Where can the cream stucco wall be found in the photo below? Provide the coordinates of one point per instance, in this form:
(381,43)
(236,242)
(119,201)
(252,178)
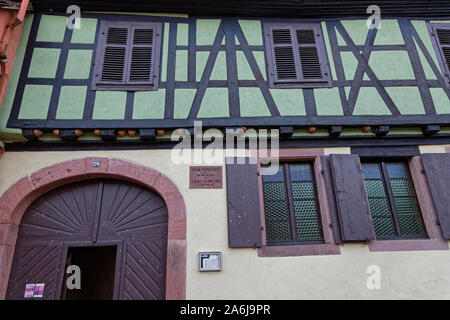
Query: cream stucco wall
(244,275)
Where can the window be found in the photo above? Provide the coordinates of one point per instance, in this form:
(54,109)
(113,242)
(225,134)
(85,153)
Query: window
(392,200)
(127,56)
(296,56)
(440,34)
(291,204)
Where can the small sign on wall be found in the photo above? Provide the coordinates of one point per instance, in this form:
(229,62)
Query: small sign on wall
(205,177)
(209,261)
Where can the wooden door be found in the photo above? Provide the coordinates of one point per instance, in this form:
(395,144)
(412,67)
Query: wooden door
(93,212)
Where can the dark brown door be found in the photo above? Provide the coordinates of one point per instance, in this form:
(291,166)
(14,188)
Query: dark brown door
(93,213)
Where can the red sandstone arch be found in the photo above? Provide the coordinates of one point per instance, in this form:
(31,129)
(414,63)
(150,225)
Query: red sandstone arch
(19,196)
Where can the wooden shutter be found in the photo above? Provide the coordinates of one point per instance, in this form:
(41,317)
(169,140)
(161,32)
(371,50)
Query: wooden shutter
(296,55)
(331,199)
(440,33)
(437,170)
(127,56)
(142,51)
(244,216)
(115,53)
(351,198)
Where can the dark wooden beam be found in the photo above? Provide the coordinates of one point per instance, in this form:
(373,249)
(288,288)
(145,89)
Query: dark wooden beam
(381,131)
(147,134)
(254,122)
(108,135)
(267,8)
(68,135)
(335,131)
(431,130)
(29,135)
(286,132)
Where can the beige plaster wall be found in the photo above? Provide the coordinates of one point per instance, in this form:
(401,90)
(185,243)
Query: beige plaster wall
(244,275)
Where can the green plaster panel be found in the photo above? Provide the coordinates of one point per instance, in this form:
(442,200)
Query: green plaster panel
(182,34)
(89,136)
(219,71)
(215,104)
(357,29)
(181,68)
(369,102)
(9,134)
(109,105)
(71,102)
(52,28)
(328,102)
(78,64)
(35,102)
(389,33)
(49,137)
(252,31)
(355,132)
(253,103)
(422,31)
(206,31)
(86,34)
(149,104)
(243,67)
(164,53)
(44,63)
(407,99)
(391,65)
(349,62)
(290,102)
(440,99)
(328,48)
(303,132)
(393,131)
(183,102)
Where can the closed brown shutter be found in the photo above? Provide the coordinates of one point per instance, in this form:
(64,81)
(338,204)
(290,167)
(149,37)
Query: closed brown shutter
(141,56)
(437,170)
(127,56)
(440,33)
(115,53)
(296,54)
(351,198)
(326,163)
(244,217)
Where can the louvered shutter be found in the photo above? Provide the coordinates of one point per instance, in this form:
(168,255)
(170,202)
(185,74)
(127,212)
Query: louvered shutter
(441,37)
(142,52)
(297,55)
(114,56)
(127,56)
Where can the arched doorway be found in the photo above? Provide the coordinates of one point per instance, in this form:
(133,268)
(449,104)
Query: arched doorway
(115,231)
(15,201)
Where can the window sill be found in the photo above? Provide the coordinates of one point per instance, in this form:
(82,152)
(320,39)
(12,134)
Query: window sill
(299,250)
(408,245)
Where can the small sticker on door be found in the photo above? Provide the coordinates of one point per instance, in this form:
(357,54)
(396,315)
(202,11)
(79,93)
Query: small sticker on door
(34,290)
(29,290)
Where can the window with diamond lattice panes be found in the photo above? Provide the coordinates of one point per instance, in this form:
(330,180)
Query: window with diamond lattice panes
(291,204)
(392,200)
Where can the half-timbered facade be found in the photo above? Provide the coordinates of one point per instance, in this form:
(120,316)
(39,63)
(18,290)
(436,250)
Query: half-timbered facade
(92,116)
